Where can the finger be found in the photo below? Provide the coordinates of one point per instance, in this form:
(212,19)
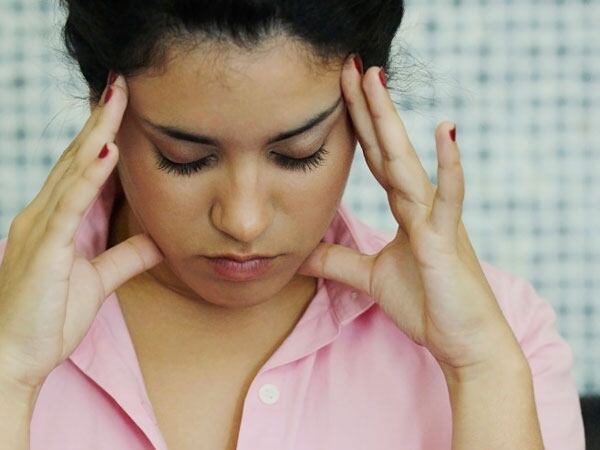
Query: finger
(109,121)
(40,201)
(126,260)
(66,217)
(403,168)
(449,195)
(96,109)
(104,131)
(339,263)
(361,119)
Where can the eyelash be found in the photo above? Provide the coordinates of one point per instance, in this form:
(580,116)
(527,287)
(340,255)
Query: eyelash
(311,162)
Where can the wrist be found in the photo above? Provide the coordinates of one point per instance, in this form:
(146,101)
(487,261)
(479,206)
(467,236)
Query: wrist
(18,395)
(17,404)
(494,404)
(18,392)
(510,364)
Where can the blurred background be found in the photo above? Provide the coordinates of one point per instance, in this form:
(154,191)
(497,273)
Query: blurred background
(520,79)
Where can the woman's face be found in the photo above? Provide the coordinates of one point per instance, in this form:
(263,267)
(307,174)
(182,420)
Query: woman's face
(248,198)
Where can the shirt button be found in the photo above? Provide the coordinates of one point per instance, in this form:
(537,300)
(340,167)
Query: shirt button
(269,394)
(354,294)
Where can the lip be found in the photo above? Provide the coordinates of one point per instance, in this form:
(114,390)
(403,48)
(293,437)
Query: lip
(241,268)
(239,258)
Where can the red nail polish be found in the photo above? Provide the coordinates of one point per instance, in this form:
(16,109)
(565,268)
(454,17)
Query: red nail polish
(382,77)
(108,95)
(453,134)
(112,76)
(103,152)
(358,63)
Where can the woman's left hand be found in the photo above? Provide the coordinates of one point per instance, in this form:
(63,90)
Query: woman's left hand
(428,279)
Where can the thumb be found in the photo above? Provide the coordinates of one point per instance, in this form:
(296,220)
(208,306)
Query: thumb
(339,263)
(125,260)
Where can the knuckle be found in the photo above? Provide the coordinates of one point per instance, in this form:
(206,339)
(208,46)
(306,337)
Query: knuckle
(72,169)
(351,101)
(19,223)
(370,143)
(378,114)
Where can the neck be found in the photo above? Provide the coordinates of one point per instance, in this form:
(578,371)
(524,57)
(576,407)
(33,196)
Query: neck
(163,318)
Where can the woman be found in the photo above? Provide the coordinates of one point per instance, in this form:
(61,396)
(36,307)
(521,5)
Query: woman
(212,291)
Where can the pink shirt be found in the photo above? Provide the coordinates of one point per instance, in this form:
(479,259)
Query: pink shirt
(346,378)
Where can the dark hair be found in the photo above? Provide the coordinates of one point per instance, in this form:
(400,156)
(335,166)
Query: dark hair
(131,36)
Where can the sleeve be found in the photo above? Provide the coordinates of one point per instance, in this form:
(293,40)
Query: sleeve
(551,361)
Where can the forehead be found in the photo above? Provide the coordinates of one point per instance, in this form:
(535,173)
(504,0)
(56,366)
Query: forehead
(222,89)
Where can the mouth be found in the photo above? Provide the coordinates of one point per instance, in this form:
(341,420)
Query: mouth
(241,268)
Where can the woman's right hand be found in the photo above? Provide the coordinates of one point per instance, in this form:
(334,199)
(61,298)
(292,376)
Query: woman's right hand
(49,294)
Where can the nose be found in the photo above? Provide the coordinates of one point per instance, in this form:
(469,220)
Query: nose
(242,209)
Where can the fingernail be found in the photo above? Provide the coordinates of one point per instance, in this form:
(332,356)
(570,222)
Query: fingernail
(108,95)
(453,133)
(103,152)
(112,76)
(358,63)
(382,77)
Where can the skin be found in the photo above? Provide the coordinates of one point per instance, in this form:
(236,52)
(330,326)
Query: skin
(246,203)
(428,279)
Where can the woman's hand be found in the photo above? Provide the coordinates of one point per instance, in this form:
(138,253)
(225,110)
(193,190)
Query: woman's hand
(49,294)
(428,279)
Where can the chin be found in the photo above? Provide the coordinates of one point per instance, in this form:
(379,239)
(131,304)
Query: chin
(234,296)
(225,292)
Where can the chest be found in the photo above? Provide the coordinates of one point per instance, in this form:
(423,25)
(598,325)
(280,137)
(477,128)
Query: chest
(196,386)
(197,410)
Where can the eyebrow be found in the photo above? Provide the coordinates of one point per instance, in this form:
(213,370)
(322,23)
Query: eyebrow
(183,135)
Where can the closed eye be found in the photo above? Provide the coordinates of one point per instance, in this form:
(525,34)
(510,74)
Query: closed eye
(310,162)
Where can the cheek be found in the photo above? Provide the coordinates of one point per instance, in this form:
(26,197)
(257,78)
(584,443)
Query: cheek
(332,181)
(162,206)
(312,204)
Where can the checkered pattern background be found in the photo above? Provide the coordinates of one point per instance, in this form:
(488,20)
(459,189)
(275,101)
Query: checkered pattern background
(520,79)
